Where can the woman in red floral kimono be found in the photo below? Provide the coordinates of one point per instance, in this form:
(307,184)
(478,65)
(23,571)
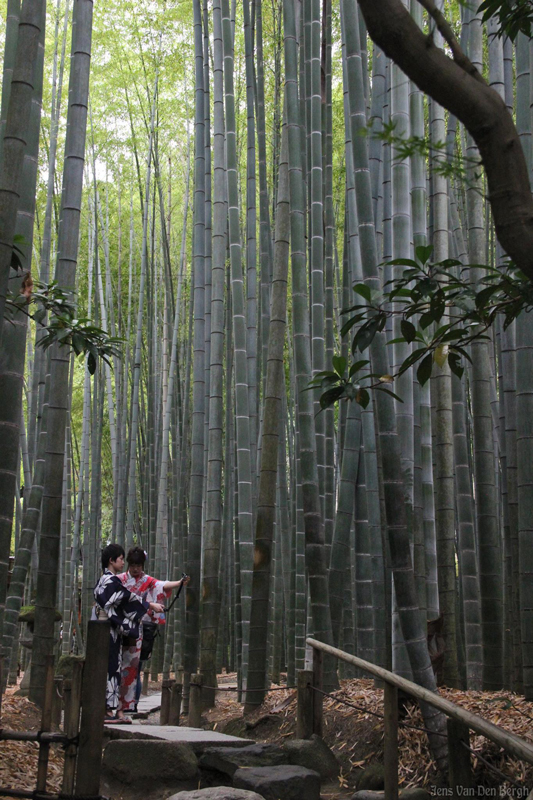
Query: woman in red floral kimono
(153,591)
(124,611)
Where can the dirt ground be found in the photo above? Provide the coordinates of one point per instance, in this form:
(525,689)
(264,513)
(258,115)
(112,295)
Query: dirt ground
(18,760)
(275,721)
(354,734)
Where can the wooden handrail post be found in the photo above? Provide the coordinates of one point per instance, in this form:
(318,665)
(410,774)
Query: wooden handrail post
(71,722)
(390,754)
(146,679)
(175,703)
(304,704)
(67,689)
(459,763)
(93,708)
(195,700)
(1,684)
(186,684)
(165,701)
(517,746)
(318,698)
(46,724)
(58,700)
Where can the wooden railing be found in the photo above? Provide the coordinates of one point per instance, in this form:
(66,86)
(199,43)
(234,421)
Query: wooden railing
(83,725)
(459,722)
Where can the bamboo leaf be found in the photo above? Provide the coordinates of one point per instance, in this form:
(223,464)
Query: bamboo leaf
(331,396)
(423,253)
(91,363)
(455,365)
(412,358)
(350,324)
(339,364)
(441,355)
(365,335)
(426,319)
(363,290)
(392,394)
(63,334)
(462,351)
(408,330)
(403,262)
(423,372)
(357,365)
(362,397)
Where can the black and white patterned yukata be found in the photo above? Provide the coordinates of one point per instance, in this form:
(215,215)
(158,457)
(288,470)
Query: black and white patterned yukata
(125,611)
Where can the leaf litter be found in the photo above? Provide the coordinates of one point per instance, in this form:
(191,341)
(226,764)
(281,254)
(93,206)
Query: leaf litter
(18,760)
(356,736)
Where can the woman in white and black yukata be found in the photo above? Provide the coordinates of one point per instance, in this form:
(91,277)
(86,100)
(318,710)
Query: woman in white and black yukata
(124,611)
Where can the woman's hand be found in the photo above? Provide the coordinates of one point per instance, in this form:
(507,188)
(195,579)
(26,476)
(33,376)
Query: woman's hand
(157,608)
(168,585)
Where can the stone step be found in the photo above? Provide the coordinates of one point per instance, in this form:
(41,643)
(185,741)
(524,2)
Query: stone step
(135,762)
(314,754)
(148,704)
(197,738)
(229,759)
(414,793)
(285,781)
(217,793)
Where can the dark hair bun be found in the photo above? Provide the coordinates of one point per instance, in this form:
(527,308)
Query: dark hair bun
(136,555)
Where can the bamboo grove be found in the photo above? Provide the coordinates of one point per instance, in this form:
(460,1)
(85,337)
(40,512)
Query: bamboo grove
(209,183)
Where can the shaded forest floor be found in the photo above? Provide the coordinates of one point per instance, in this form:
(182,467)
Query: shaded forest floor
(354,734)
(18,760)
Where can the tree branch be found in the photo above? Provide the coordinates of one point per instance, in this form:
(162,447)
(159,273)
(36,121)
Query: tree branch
(448,35)
(478,107)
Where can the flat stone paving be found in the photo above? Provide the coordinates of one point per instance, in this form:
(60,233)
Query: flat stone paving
(149,703)
(196,737)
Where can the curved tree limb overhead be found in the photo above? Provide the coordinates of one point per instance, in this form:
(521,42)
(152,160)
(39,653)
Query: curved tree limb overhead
(448,35)
(478,107)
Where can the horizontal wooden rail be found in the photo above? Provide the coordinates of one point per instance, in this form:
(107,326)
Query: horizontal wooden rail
(50,737)
(34,794)
(509,741)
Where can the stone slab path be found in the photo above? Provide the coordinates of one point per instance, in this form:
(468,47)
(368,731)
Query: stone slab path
(197,738)
(149,703)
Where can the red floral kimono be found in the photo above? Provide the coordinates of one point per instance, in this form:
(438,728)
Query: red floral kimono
(152,591)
